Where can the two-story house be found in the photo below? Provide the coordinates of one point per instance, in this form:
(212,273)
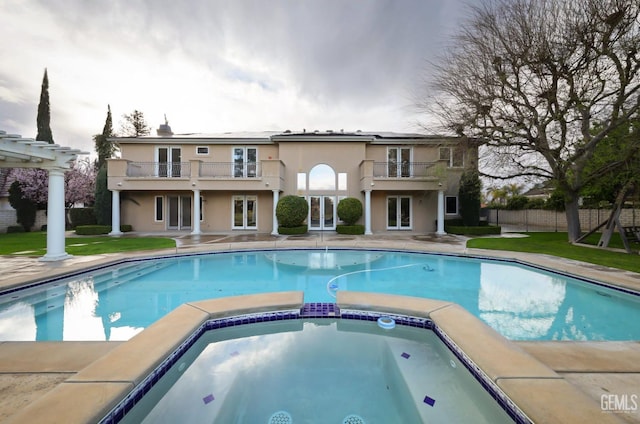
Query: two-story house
(232,182)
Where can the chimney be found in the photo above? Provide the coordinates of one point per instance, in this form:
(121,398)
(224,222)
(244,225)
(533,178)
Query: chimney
(164,129)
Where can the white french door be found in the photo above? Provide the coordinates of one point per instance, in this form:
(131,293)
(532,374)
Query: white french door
(169,162)
(322,212)
(399,213)
(245,212)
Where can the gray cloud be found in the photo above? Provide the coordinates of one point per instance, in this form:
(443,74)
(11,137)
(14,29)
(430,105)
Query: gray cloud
(319,59)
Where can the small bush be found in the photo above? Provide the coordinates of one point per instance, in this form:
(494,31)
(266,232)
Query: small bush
(291,211)
(290,231)
(350,210)
(15,229)
(92,230)
(82,216)
(350,229)
(474,231)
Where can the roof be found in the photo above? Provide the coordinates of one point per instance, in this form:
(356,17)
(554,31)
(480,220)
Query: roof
(279,136)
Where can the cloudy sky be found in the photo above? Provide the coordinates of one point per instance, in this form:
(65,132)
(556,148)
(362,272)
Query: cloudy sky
(215,66)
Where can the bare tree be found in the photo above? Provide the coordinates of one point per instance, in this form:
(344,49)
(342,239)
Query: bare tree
(542,82)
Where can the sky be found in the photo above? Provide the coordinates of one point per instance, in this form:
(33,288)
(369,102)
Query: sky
(217,66)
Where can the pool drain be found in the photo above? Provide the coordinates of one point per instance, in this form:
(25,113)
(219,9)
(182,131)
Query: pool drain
(353,419)
(280,417)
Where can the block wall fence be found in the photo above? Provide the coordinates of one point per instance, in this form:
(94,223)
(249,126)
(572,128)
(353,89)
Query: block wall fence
(543,220)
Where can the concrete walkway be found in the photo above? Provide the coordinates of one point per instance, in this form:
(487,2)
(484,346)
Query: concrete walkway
(596,368)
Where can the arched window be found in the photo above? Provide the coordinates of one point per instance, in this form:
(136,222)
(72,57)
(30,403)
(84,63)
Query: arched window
(322,177)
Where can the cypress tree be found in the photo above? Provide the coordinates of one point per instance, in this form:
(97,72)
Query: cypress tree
(44,113)
(104,147)
(105,150)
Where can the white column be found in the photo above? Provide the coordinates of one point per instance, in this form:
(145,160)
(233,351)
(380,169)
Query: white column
(115,213)
(196,212)
(367,212)
(440,229)
(55,217)
(276,197)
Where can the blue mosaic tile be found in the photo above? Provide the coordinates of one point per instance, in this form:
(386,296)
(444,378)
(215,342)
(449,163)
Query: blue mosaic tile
(429,401)
(312,310)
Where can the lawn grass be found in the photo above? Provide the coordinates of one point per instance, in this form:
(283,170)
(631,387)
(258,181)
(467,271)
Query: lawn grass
(556,244)
(35,244)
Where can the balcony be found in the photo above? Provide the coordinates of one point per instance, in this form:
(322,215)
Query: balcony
(402,176)
(159,169)
(128,175)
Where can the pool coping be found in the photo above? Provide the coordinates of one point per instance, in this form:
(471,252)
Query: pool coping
(95,390)
(600,375)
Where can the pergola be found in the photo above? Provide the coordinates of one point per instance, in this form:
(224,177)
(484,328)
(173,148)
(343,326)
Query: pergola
(18,152)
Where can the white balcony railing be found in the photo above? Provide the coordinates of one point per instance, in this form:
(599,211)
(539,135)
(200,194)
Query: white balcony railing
(159,169)
(404,169)
(230,169)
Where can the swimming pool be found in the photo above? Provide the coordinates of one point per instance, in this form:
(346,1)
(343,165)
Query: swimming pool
(520,302)
(342,370)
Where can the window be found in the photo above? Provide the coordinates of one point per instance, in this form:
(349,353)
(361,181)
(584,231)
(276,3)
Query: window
(342,181)
(159,208)
(202,150)
(453,155)
(244,212)
(322,177)
(451,205)
(399,212)
(399,162)
(302,181)
(245,162)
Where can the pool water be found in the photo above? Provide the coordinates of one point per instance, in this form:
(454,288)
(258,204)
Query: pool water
(317,371)
(520,302)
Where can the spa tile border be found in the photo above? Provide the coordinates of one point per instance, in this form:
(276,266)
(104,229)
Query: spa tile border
(312,310)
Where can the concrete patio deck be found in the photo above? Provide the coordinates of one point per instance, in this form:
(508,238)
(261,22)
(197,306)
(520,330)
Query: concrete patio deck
(594,368)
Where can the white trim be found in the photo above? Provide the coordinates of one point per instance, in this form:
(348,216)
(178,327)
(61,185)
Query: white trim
(202,154)
(398,214)
(244,198)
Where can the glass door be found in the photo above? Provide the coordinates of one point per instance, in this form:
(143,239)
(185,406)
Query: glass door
(168,162)
(322,213)
(178,212)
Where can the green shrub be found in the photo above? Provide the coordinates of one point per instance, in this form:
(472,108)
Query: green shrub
(474,231)
(517,203)
(290,231)
(82,216)
(15,229)
(92,230)
(350,229)
(350,210)
(291,211)
(25,208)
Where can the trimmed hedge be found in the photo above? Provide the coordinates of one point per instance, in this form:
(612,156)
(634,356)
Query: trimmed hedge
(82,216)
(473,231)
(15,229)
(291,211)
(349,210)
(350,229)
(290,231)
(94,230)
